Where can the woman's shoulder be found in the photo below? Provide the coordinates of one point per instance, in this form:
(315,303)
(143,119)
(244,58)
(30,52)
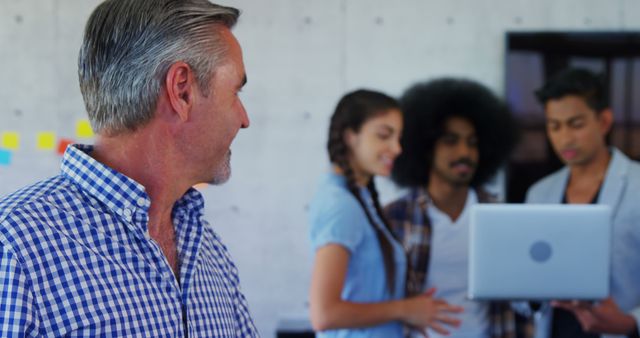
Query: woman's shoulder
(332,192)
(334,203)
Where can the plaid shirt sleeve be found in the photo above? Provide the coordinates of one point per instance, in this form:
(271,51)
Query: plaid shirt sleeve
(395,213)
(414,233)
(18,313)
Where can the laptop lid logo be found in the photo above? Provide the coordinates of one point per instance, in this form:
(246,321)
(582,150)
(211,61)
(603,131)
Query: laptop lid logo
(540,251)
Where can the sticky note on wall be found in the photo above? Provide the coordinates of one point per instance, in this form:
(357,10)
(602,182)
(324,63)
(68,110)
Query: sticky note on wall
(5,157)
(62,145)
(46,141)
(10,140)
(83,129)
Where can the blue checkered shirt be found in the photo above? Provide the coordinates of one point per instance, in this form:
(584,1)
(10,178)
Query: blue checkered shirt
(76,260)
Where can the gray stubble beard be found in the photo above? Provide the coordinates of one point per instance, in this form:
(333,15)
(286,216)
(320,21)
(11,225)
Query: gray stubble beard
(223,172)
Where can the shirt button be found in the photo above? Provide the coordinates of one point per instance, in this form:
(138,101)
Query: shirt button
(127,213)
(142,201)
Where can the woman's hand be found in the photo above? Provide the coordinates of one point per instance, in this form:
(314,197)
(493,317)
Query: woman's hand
(424,311)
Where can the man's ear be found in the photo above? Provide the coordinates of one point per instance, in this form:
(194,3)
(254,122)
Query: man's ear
(180,85)
(606,120)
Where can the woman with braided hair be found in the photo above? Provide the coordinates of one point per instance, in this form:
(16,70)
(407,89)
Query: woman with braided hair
(357,287)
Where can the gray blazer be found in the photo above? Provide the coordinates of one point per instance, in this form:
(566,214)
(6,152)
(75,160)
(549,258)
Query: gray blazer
(620,191)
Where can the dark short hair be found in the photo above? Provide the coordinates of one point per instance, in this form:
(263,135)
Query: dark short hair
(427,107)
(579,82)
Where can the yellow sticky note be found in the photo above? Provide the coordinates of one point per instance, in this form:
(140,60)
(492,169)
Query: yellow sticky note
(10,140)
(46,140)
(83,129)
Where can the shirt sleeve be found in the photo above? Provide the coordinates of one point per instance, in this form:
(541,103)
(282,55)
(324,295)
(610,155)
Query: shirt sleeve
(396,213)
(245,326)
(18,313)
(338,222)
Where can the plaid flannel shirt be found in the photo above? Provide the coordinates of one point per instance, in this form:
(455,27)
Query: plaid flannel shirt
(411,226)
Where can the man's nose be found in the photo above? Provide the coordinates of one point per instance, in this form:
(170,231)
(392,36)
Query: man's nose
(244,117)
(463,149)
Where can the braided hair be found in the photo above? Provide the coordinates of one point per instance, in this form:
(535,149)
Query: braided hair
(353,110)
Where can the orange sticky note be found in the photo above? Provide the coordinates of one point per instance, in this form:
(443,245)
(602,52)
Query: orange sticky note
(83,129)
(46,140)
(10,140)
(62,145)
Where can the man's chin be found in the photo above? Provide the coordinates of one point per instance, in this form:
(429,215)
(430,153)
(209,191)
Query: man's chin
(223,173)
(220,179)
(461,180)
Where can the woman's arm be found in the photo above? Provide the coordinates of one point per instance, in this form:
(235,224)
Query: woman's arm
(329,311)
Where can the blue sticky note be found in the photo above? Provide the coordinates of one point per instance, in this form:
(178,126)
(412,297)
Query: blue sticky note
(5,157)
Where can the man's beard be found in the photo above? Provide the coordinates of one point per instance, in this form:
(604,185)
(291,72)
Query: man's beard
(223,172)
(458,180)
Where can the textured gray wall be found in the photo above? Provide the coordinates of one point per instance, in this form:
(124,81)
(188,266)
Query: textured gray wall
(301,56)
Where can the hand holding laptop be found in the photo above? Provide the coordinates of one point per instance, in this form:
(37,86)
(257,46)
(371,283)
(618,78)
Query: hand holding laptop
(600,317)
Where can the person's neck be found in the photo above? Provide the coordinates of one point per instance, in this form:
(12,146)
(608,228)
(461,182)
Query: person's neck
(595,169)
(146,158)
(448,198)
(585,180)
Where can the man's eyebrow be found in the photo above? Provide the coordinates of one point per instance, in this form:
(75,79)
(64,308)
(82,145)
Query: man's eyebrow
(567,120)
(576,117)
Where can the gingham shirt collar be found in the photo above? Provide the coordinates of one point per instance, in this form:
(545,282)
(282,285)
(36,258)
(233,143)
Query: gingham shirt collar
(121,194)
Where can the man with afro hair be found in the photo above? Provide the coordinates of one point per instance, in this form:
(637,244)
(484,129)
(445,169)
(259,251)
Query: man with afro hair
(457,134)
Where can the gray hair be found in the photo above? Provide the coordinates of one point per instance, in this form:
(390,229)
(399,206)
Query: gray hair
(128,47)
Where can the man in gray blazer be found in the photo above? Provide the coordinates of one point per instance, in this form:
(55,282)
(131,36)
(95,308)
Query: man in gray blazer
(578,120)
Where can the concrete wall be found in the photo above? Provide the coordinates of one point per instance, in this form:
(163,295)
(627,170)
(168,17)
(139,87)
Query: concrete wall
(301,56)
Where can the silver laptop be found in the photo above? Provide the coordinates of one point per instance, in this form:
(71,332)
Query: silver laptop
(539,252)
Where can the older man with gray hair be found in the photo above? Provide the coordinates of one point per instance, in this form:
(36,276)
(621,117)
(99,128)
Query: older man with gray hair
(116,245)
